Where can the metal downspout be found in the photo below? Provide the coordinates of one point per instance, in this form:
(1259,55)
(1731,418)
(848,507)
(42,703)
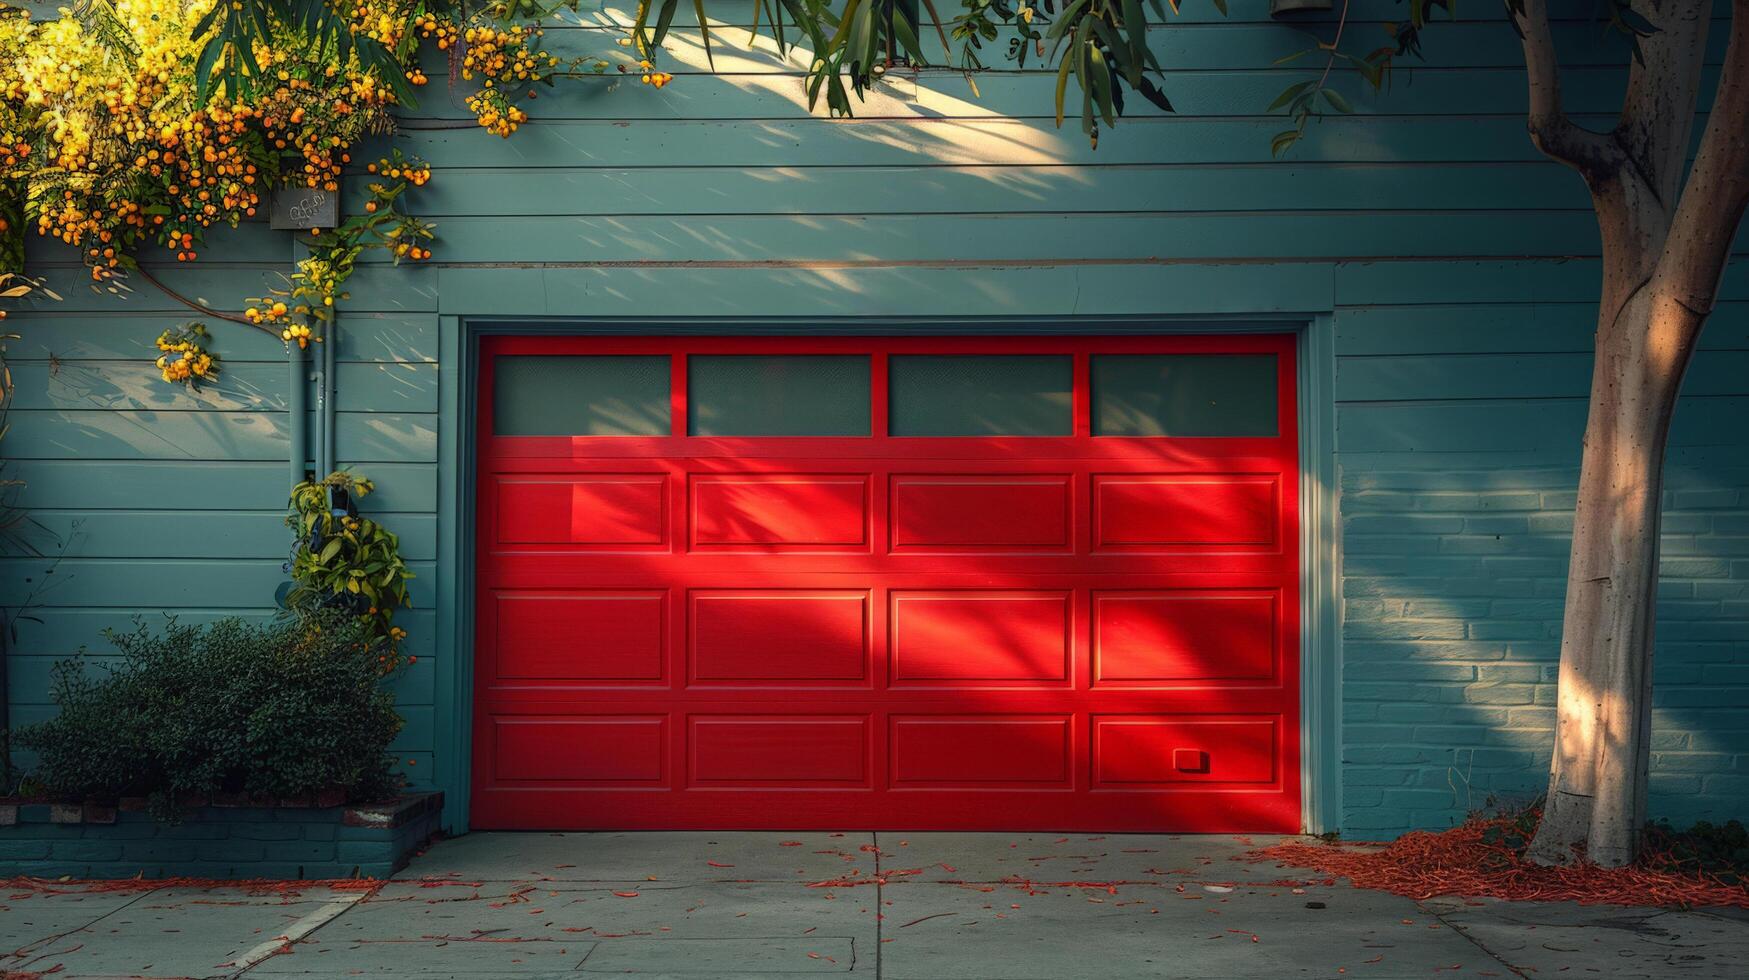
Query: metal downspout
(325,392)
(299,405)
(300,413)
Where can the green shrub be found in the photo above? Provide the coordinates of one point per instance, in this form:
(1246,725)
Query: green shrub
(279,710)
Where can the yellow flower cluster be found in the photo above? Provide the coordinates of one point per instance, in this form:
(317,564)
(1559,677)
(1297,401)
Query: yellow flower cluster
(267,312)
(650,76)
(502,59)
(185,359)
(504,55)
(496,113)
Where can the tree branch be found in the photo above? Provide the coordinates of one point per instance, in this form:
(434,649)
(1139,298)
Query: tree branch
(1593,154)
(1717,193)
(1658,108)
(202,308)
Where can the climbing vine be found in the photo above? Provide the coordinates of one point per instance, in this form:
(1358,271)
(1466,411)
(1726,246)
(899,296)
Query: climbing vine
(132,124)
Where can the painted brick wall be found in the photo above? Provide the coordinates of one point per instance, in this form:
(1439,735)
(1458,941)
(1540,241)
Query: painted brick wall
(1457,485)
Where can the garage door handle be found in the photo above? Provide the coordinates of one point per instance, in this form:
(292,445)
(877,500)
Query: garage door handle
(1190,760)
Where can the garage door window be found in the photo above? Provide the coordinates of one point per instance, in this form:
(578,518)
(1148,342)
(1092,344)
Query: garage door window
(777,395)
(1230,395)
(981,395)
(583,395)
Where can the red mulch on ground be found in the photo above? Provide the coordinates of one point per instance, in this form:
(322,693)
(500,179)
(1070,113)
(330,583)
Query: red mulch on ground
(1483,858)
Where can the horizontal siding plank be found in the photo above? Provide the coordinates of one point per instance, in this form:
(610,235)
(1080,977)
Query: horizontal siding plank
(1329,232)
(761,87)
(163,583)
(203,485)
(1481,376)
(874,142)
(367,437)
(392,437)
(129,435)
(46,332)
(1522,328)
(686,190)
(136,384)
(1510,425)
(206,534)
(1445,283)
(220,284)
(1241,42)
(872,239)
(1692,465)
(397,387)
(121,335)
(932,294)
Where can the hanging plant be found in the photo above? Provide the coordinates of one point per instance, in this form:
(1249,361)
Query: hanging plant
(345,562)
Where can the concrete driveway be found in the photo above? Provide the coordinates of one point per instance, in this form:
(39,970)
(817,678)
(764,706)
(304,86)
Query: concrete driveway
(924,906)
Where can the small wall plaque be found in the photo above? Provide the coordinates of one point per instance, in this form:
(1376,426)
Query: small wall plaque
(299,208)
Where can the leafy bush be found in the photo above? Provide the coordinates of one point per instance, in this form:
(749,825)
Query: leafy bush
(1720,850)
(280,710)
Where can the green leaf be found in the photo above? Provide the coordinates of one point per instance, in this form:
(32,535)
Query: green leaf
(1063,83)
(1337,101)
(1066,20)
(1289,94)
(1136,27)
(1282,141)
(203,68)
(907,37)
(663,19)
(1100,72)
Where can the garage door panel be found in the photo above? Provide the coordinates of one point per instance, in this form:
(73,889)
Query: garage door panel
(593,510)
(612,749)
(1141,750)
(996,609)
(980,751)
(602,636)
(972,513)
(1163,637)
(1176,510)
(779,750)
(779,512)
(954,638)
(766,637)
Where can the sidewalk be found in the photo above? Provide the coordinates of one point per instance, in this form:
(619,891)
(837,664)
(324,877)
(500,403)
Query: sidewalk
(922,906)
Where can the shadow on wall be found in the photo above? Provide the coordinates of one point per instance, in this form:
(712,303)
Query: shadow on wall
(1454,584)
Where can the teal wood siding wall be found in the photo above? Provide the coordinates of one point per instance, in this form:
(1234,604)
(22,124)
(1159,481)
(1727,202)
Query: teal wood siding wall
(1459,269)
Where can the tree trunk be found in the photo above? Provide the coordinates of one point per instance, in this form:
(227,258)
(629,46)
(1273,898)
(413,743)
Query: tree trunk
(1666,231)
(1597,787)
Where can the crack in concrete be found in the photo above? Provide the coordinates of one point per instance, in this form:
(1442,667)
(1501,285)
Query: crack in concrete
(1472,940)
(880,905)
(49,940)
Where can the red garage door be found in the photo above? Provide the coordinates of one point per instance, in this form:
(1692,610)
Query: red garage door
(976,583)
